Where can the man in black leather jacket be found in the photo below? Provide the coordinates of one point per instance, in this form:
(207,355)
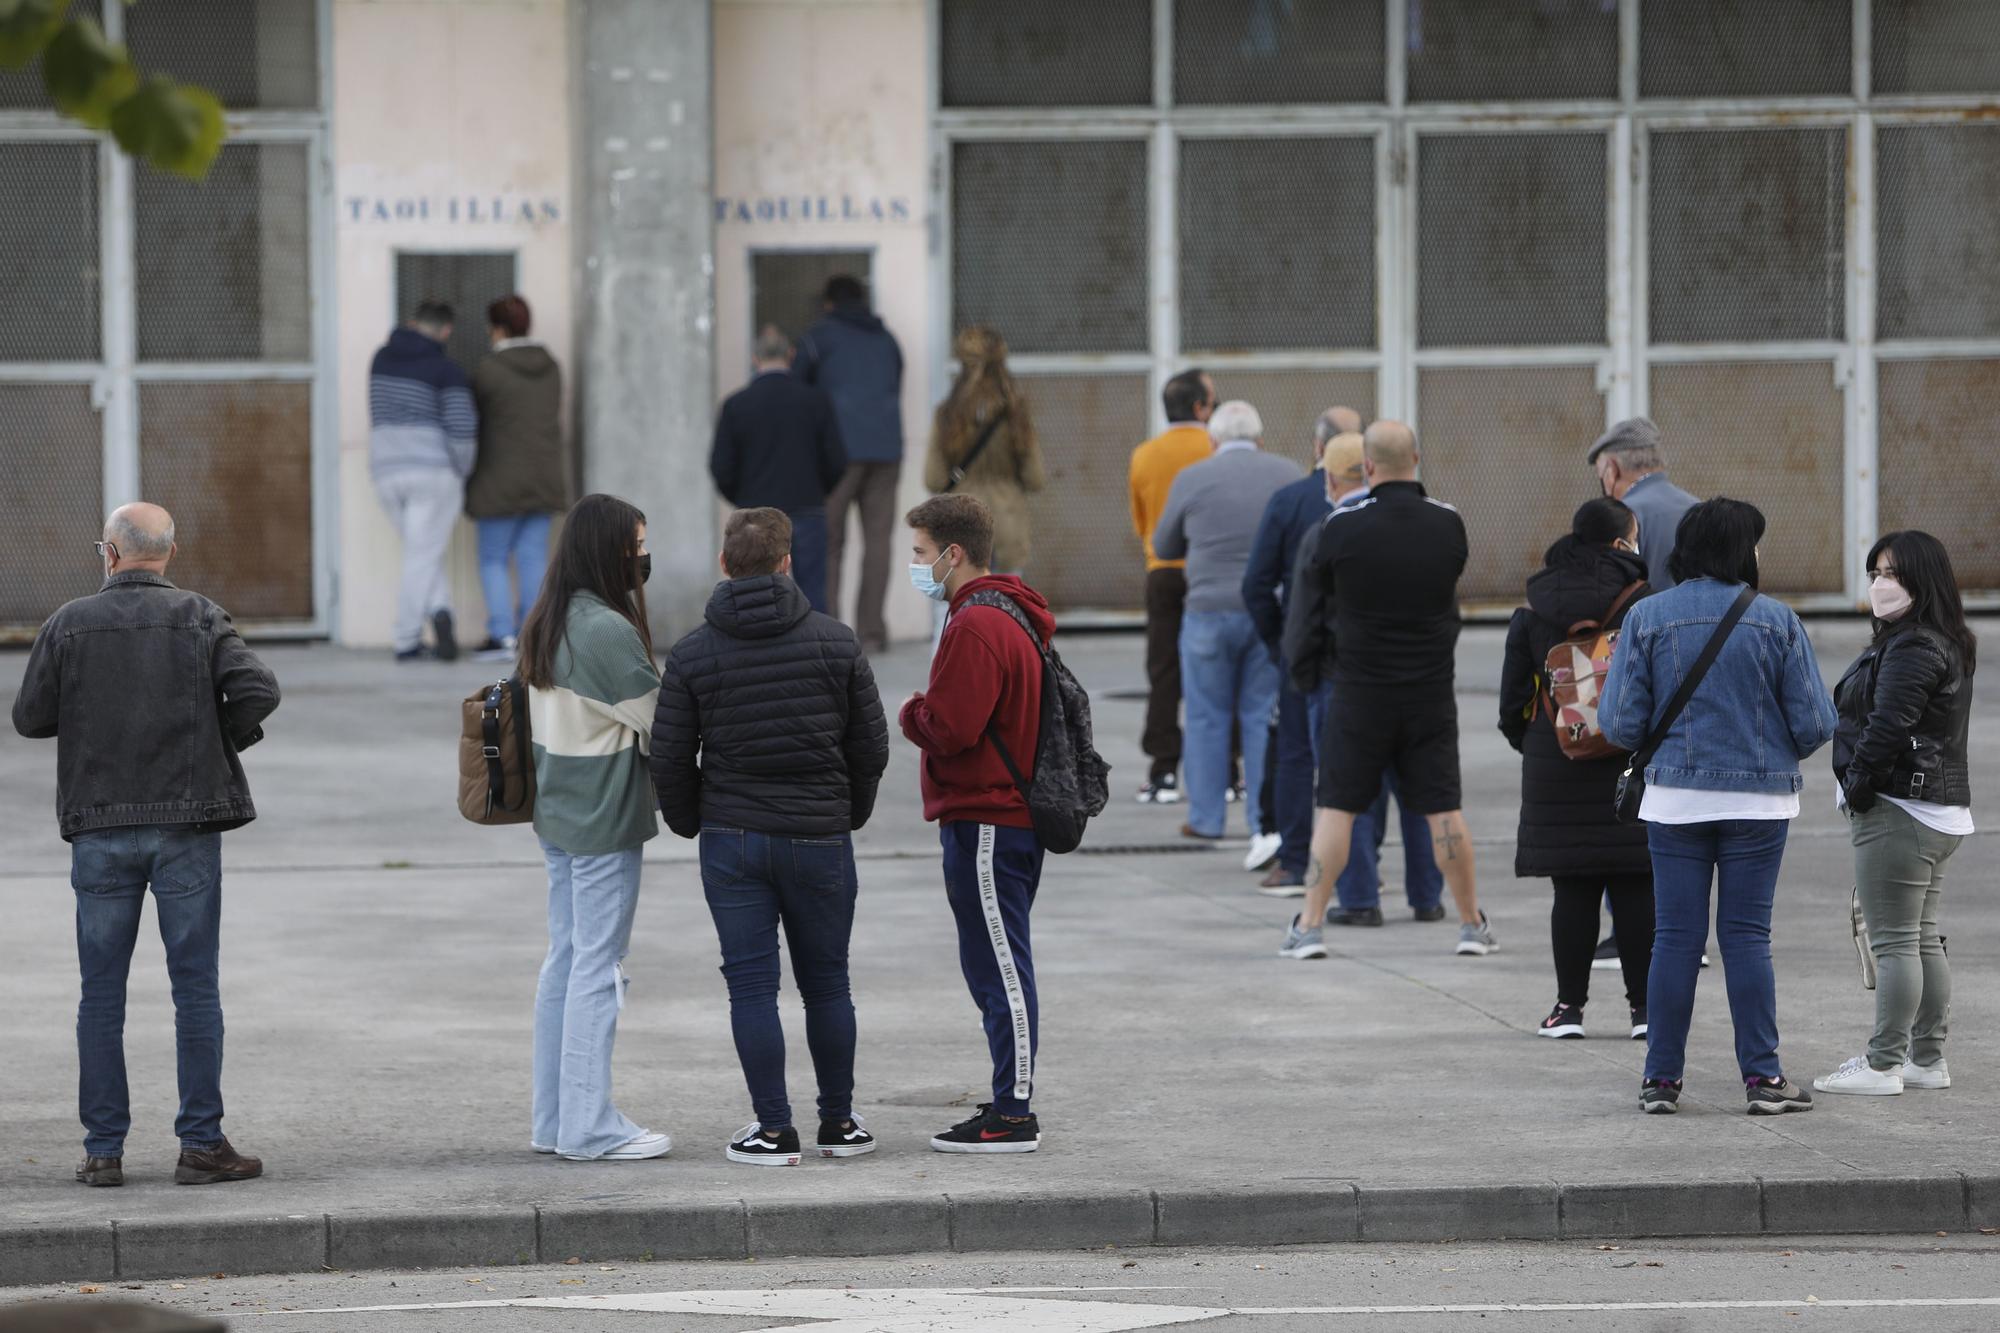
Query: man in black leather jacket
(150,695)
(769,742)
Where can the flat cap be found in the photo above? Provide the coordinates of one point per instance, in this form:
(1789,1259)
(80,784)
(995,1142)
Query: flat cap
(1631,433)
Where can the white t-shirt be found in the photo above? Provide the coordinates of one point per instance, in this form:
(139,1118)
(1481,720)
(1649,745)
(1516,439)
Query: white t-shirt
(1955,820)
(1693,805)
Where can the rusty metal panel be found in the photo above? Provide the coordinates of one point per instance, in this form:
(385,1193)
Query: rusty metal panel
(51,500)
(1506,446)
(1938,470)
(233,463)
(1772,433)
(1937,239)
(1084,553)
(1290,401)
(1287,278)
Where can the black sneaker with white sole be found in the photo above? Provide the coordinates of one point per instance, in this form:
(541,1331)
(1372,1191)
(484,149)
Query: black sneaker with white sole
(1660,1096)
(1775,1096)
(447,639)
(844,1138)
(990,1132)
(1565,1020)
(1639,1023)
(756,1146)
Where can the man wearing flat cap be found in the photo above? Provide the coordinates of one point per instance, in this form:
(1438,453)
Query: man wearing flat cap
(1632,467)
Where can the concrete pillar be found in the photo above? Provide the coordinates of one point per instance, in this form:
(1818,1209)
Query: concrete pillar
(643,236)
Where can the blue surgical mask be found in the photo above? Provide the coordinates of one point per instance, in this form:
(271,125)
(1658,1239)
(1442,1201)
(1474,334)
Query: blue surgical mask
(924,579)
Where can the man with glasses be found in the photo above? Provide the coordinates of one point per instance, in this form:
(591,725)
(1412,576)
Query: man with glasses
(150,696)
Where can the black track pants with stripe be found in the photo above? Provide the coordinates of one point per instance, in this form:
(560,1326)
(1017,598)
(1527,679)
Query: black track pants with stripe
(990,877)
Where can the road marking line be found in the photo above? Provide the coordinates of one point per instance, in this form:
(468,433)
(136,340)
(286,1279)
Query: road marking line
(1596,1307)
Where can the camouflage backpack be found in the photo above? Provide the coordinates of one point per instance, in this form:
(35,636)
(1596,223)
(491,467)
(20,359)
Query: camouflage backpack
(1069,781)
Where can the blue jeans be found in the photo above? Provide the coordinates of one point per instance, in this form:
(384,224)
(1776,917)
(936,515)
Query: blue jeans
(111,870)
(755,882)
(1360,883)
(582,988)
(524,538)
(1226,675)
(809,555)
(1741,857)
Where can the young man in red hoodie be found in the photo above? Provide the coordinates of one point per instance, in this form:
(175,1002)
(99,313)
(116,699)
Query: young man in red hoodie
(985,678)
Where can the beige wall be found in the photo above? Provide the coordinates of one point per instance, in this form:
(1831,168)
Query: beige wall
(824,100)
(437,101)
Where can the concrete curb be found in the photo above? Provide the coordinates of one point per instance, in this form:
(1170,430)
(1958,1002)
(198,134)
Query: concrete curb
(738,1229)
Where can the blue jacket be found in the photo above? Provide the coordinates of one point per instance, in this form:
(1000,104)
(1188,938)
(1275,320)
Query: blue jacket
(420,408)
(851,355)
(1293,512)
(1761,709)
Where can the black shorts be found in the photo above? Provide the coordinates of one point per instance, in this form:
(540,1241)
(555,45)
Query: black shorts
(1371,730)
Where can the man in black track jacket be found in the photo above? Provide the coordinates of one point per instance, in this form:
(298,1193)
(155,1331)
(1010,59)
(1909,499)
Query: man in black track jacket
(769,742)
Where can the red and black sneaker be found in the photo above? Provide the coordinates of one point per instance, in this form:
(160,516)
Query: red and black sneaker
(989,1131)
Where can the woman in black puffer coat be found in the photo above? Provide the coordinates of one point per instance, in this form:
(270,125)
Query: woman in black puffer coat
(1568,834)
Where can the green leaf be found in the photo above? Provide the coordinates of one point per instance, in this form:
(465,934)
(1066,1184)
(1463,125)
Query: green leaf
(26,29)
(86,75)
(175,127)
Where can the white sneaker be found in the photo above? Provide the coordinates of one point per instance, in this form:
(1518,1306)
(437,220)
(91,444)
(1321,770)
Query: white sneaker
(1932,1078)
(1284,891)
(1856,1077)
(1263,850)
(541,1148)
(641,1146)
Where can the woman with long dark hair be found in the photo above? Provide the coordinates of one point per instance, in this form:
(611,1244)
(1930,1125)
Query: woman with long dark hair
(1568,834)
(1900,757)
(1721,790)
(587,659)
(983,443)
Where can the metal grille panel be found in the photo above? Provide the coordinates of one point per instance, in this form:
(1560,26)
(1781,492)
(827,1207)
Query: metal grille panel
(1771,433)
(1748,235)
(468,283)
(1266,51)
(1049,243)
(233,464)
(1482,51)
(1745,48)
(1296,275)
(21,89)
(1506,446)
(1290,401)
(1511,240)
(1937,235)
(1084,553)
(51,499)
(786,285)
(1935,46)
(49,252)
(1937,466)
(249,53)
(223,263)
(1046,53)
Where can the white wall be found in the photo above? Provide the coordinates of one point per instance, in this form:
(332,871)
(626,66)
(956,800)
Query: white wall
(436,103)
(824,100)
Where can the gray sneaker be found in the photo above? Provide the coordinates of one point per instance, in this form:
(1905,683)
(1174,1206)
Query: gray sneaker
(1302,943)
(1477,940)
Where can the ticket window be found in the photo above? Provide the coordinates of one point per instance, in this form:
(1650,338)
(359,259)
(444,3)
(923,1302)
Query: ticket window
(468,282)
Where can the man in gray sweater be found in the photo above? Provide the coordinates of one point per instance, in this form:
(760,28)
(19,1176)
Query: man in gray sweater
(1227,674)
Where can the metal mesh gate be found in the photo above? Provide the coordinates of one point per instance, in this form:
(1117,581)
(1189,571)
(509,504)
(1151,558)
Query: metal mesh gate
(1765,223)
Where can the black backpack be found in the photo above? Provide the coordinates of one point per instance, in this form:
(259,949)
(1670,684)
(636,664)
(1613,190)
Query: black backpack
(1070,781)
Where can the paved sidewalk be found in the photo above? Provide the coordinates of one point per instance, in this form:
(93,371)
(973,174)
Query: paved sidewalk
(380,960)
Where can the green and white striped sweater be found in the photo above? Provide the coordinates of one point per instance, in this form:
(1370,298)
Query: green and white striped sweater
(592,791)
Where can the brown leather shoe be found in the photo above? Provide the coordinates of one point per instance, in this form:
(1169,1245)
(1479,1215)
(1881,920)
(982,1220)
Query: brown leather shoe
(215,1166)
(102,1171)
(1281,878)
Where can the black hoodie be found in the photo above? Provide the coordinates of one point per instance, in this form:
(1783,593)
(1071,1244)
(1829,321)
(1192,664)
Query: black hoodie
(1566,823)
(768,719)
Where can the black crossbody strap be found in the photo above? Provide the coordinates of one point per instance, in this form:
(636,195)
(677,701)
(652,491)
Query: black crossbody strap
(489,735)
(1710,651)
(978,447)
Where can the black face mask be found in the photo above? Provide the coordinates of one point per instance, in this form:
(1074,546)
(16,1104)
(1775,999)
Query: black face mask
(644,565)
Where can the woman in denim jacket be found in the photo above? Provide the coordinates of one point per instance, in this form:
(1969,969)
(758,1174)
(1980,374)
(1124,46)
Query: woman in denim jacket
(1721,791)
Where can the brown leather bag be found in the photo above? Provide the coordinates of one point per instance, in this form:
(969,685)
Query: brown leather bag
(496,758)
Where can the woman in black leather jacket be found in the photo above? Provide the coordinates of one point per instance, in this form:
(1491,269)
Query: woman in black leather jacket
(1900,758)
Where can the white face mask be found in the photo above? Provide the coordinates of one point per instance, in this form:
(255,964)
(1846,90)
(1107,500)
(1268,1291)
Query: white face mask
(1887,597)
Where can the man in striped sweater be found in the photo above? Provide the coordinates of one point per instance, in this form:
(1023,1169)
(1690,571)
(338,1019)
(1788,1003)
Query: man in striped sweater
(423,433)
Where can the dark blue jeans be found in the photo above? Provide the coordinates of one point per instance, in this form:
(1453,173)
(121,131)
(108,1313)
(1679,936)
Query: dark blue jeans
(1741,858)
(754,883)
(1360,882)
(111,870)
(809,555)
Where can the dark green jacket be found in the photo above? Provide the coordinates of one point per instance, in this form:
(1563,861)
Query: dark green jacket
(521,468)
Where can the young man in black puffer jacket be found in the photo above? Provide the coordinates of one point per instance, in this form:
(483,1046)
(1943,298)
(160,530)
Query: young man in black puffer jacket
(769,742)
(1568,833)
